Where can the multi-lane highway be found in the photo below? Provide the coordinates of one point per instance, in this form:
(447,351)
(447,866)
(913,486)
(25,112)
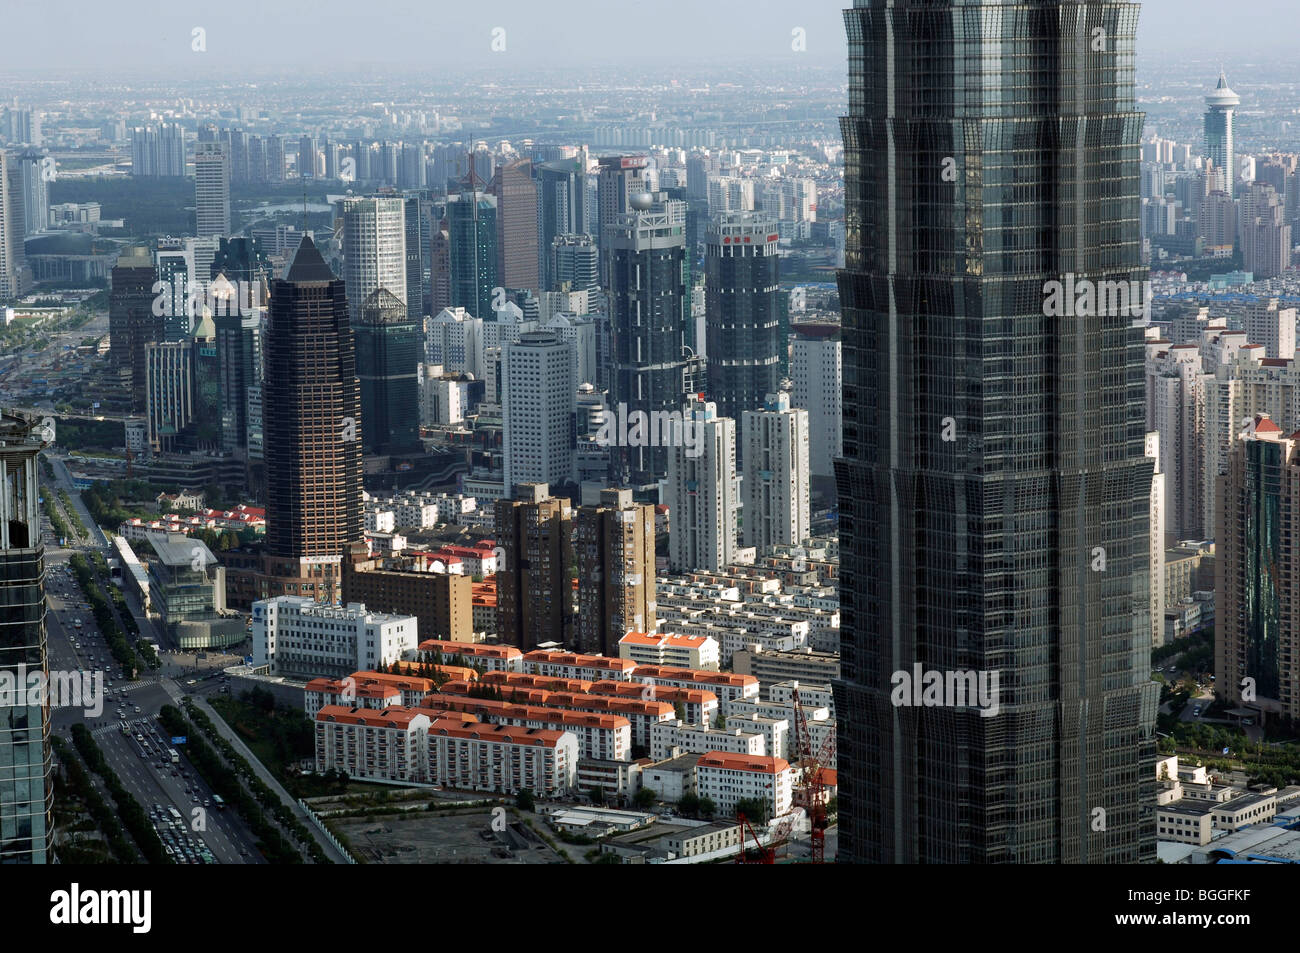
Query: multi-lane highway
(140,755)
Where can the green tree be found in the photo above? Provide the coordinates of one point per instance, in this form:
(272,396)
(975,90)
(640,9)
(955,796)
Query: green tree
(707,807)
(689,805)
(645,798)
(755,811)
(525,801)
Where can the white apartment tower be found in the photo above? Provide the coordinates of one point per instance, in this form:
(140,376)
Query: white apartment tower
(701,491)
(539,400)
(775,487)
(815,370)
(212,189)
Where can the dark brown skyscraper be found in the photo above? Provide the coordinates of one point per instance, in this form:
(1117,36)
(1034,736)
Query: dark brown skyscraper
(313,416)
(131,321)
(614,544)
(534,589)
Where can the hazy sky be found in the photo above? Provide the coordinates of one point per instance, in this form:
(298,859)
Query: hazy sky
(155,36)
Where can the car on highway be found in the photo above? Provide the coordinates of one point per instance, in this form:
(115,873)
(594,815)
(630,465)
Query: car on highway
(1196,712)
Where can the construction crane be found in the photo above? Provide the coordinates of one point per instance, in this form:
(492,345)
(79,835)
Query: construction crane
(810,783)
(759,854)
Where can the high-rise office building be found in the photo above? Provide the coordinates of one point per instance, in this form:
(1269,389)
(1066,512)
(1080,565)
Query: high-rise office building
(562,208)
(389,348)
(1257,569)
(417,223)
(32,167)
(239,360)
(169,390)
(618,178)
(743,336)
(1219,144)
(313,425)
(538,399)
(649,325)
(701,491)
(212,189)
(775,489)
(994,515)
(472,252)
(26,792)
(132,323)
(517,253)
(1157,543)
(575,261)
(614,545)
(374,250)
(15,274)
(816,371)
(534,588)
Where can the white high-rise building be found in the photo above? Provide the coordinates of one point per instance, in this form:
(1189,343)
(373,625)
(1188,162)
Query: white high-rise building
(701,490)
(1273,327)
(538,403)
(212,189)
(1157,543)
(453,339)
(775,487)
(374,250)
(815,369)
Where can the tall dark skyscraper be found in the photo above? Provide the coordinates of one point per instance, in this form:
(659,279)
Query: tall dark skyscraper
(132,323)
(389,349)
(993,493)
(740,312)
(26,795)
(472,251)
(645,250)
(313,415)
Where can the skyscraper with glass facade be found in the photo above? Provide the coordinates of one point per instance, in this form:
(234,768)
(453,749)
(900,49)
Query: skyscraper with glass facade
(993,490)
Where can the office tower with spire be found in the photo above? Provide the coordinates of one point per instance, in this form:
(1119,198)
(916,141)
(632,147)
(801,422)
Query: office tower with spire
(313,427)
(1220,148)
(472,251)
(994,492)
(212,191)
(742,327)
(649,327)
(32,166)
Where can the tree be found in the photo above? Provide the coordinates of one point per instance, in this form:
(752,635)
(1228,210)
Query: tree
(755,811)
(645,798)
(721,721)
(707,807)
(679,711)
(525,801)
(689,805)
(597,795)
